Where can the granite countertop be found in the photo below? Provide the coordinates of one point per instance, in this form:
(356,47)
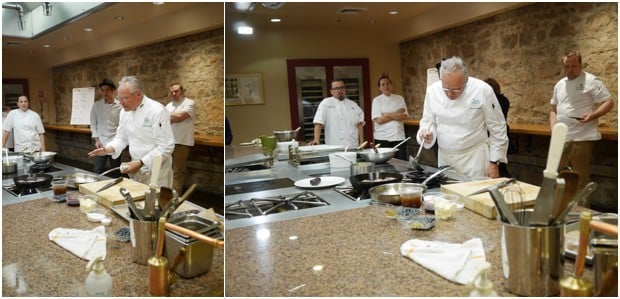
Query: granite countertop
(359,252)
(45,269)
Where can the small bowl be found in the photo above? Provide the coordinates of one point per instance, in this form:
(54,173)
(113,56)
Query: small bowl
(405,213)
(96,215)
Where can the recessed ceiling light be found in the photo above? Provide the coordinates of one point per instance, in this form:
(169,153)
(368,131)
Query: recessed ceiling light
(393,12)
(88,29)
(275,20)
(245,30)
(46,46)
(65,38)
(158,3)
(119,18)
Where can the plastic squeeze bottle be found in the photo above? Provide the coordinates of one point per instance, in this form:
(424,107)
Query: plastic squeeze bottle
(98,282)
(482,286)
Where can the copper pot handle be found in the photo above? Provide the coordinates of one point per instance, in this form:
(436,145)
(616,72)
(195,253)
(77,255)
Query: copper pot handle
(211,241)
(605,228)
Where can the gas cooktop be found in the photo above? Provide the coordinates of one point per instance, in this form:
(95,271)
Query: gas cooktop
(271,205)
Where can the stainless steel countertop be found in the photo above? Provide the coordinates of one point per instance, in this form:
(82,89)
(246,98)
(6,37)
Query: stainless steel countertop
(8,198)
(282,169)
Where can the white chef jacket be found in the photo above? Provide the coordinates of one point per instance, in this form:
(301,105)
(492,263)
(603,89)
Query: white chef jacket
(26,127)
(9,139)
(462,124)
(340,119)
(392,130)
(183,130)
(146,130)
(104,120)
(573,98)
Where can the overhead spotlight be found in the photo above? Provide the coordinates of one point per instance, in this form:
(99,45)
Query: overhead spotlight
(275,20)
(47,8)
(245,30)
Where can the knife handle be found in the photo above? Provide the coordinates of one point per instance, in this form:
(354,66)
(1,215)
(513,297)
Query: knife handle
(556,146)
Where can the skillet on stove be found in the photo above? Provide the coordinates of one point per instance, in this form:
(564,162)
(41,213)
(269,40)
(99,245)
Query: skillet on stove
(363,182)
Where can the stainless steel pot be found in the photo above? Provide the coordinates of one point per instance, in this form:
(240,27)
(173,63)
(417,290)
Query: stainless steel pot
(284,136)
(362,167)
(390,193)
(9,167)
(383,155)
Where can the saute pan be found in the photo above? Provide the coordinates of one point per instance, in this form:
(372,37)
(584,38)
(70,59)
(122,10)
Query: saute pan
(363,182)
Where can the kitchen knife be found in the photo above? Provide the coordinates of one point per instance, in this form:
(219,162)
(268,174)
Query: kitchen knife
(110,184)
(545,197)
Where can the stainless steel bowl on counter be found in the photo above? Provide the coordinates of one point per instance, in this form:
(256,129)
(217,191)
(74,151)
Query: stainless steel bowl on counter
(382,155)
(283,136)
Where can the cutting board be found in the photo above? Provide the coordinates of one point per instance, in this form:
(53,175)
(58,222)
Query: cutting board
(112,196)
(483,203)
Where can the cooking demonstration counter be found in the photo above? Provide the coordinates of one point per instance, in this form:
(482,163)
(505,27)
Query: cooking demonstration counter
(351,253)
(35,266)
(347,248)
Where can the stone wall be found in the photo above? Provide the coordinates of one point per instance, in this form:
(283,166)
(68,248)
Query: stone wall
(522,50)
(196,61)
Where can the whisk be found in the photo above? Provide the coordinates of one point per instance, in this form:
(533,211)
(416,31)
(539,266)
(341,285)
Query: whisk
(514,198)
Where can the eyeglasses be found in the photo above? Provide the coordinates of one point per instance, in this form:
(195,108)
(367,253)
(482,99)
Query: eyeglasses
(454,90)
(339,88)
(127,97)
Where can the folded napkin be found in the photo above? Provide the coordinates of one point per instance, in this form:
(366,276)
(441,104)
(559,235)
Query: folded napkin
(86,244)
(456,262)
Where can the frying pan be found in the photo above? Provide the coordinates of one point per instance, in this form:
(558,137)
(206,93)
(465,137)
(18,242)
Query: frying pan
(363,182)
(76,179)
(32,181)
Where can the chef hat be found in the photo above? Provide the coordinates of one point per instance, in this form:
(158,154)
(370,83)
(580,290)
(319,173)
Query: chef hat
(107,82)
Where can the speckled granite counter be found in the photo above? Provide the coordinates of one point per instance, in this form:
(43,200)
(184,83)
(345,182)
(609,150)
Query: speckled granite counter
(359,253)
(46,269)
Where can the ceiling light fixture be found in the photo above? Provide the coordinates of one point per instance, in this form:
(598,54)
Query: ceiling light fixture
(245,30)
(393,12)
(158,3)
(47,9)
(88,29)
(46,46)
(275,20)
(119,18)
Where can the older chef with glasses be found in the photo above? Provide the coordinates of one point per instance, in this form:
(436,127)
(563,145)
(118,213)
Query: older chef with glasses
(463,116)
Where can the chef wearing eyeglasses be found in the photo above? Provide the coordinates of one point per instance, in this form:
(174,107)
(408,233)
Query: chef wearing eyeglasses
(463,116)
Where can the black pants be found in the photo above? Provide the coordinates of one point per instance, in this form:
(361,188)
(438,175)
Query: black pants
(402,150)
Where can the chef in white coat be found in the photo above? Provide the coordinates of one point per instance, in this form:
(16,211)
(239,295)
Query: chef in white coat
(145,127)
(27,128)
(463,116)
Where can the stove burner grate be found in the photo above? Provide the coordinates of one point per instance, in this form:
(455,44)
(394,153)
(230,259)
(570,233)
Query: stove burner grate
(271,205)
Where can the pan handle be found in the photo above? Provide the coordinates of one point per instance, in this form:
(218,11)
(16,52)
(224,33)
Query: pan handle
(200,237)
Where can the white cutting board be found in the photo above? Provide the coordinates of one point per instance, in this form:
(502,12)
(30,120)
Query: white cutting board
(112,196)
(483,203)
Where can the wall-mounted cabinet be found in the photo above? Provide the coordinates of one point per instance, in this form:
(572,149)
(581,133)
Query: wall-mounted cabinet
(309,83)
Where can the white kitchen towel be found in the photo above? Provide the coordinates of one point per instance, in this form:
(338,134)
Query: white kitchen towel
(86,244)
(456,262)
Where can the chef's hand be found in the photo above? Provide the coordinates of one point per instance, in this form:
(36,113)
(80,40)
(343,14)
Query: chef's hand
(493,170)
(426,135)
(98,152)
(314,142)
(131,167)
(98,143)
